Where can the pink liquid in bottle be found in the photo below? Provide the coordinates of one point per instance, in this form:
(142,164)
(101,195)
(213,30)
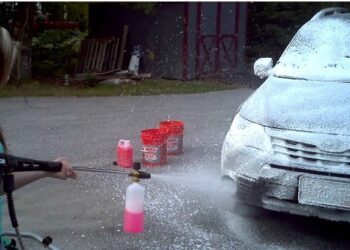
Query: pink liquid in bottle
(133,223)
(134,208)
(125,154)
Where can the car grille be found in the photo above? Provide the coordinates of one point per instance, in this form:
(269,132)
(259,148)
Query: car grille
(300,153)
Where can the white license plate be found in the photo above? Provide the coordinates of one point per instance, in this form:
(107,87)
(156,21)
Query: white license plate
(324,193)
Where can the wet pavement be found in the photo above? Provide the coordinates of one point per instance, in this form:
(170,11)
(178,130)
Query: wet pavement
(186,205)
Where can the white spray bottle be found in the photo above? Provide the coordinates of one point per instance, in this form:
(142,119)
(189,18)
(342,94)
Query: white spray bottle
(134,207)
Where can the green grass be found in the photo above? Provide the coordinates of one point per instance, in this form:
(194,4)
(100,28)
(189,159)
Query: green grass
(146,87)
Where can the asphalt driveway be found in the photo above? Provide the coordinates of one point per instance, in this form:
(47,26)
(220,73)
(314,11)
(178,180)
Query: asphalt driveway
(187,207)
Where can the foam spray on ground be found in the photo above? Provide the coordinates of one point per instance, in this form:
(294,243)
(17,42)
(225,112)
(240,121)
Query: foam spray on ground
(206,183)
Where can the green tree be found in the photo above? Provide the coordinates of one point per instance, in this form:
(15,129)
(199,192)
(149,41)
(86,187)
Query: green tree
(273,24)
(55,52)
(148,8)
(21,30)
(69,11)
(18,18)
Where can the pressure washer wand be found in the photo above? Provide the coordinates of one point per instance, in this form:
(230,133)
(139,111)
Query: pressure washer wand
(99,170)
(134,173)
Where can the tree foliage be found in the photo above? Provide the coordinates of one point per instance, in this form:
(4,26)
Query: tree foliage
(71,11)
(55,52)
(147,7)
(47,52)
(273,24)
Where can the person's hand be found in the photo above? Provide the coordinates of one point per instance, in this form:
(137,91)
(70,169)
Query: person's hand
(66,171)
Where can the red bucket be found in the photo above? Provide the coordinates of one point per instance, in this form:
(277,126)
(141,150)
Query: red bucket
(165,133)
(153,147)
(175,136)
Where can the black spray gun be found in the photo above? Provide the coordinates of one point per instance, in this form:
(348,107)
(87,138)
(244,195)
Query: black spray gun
(10,164)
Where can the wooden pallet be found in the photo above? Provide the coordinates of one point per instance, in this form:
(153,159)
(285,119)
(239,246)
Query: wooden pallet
(98,55)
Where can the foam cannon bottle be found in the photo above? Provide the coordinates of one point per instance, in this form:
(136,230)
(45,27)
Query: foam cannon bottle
(134,204)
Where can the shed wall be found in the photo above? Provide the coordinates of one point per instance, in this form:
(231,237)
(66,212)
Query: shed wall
(180,40)
(160,34)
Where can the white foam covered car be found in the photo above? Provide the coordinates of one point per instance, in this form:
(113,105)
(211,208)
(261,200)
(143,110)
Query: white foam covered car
(288,148)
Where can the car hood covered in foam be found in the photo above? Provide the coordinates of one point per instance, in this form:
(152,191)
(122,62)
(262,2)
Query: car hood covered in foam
(301,105)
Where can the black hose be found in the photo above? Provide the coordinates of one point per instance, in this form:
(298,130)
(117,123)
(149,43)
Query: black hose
(12,212)
(9,186)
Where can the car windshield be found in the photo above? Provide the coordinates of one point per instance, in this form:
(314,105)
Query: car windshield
(319,51)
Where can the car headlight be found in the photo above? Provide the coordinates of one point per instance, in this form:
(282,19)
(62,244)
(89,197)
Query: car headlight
(249,134)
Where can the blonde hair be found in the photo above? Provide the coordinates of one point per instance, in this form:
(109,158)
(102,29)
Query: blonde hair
(8,53)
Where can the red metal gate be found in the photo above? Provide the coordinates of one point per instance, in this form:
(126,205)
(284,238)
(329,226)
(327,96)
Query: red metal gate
(216,49)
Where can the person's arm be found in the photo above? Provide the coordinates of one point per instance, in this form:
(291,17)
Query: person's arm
(24,178)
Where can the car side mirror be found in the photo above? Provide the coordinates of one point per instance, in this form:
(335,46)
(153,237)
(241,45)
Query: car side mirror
(263,67)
